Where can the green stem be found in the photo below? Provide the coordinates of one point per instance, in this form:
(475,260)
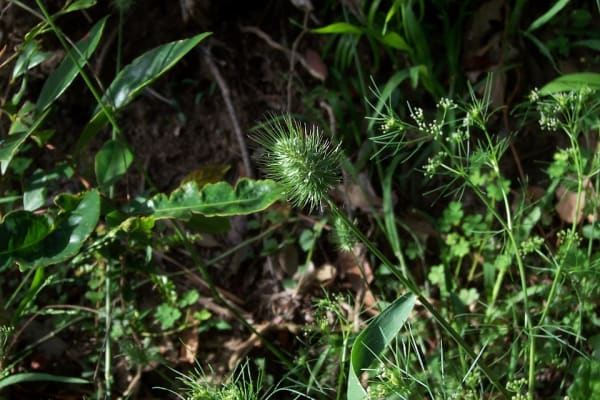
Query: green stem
(107,352)
(87,80)
(414,289)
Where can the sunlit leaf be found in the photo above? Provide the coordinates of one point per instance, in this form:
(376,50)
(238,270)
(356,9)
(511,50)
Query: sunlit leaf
(215,199)
(372,341)
(574,81)
(339,27)
(135,77)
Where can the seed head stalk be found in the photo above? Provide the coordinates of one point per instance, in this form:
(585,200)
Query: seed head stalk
(307,166)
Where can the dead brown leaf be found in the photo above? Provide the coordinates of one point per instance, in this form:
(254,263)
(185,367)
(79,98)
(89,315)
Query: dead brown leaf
(570,205)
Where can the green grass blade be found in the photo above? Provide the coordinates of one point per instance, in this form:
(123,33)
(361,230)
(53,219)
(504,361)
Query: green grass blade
(67,71)
(372,341)
(548,15)
(39,377)
(339,28)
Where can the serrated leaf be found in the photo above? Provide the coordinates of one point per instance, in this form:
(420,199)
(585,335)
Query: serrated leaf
(111,163)
(574,81)
(135,77)
(214,200)
(373,340)
(66,72)
(68,233)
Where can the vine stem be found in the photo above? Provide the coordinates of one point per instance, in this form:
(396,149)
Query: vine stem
(414,289)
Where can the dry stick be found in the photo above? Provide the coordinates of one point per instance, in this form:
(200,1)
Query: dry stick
(271,43)
(293,59)
(231,111)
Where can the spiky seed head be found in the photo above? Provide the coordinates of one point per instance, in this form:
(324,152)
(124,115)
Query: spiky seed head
(304,162)
(343,236)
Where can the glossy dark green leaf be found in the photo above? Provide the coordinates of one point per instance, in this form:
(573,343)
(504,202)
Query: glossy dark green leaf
(132,79)
(35,193)
(68,234)
(66,72)
(22,231)
(112,162)
(30,56)
(214,200)
(374,339)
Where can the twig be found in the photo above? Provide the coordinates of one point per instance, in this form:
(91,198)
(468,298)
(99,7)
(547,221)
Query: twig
(271,43)
(293,59)
(231,111)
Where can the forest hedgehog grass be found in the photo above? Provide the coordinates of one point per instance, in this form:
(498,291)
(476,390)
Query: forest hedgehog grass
(467,155)
(307,166)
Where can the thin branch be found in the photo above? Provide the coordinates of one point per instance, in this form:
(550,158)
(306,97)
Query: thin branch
(231,111)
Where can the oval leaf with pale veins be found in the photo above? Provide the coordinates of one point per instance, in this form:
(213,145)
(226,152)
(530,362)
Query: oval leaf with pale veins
(214,200)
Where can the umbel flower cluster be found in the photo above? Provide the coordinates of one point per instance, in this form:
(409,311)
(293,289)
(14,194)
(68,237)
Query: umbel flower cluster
(304,162)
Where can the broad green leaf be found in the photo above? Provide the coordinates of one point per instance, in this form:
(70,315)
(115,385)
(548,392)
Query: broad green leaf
(339,27)
(19,132)
(22,231)
(69,232)
(214,200)
(112,162)
(574,81)
(135,77)
(66,72)
(374,339)
(36,187)
(548,15)
(39,377)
